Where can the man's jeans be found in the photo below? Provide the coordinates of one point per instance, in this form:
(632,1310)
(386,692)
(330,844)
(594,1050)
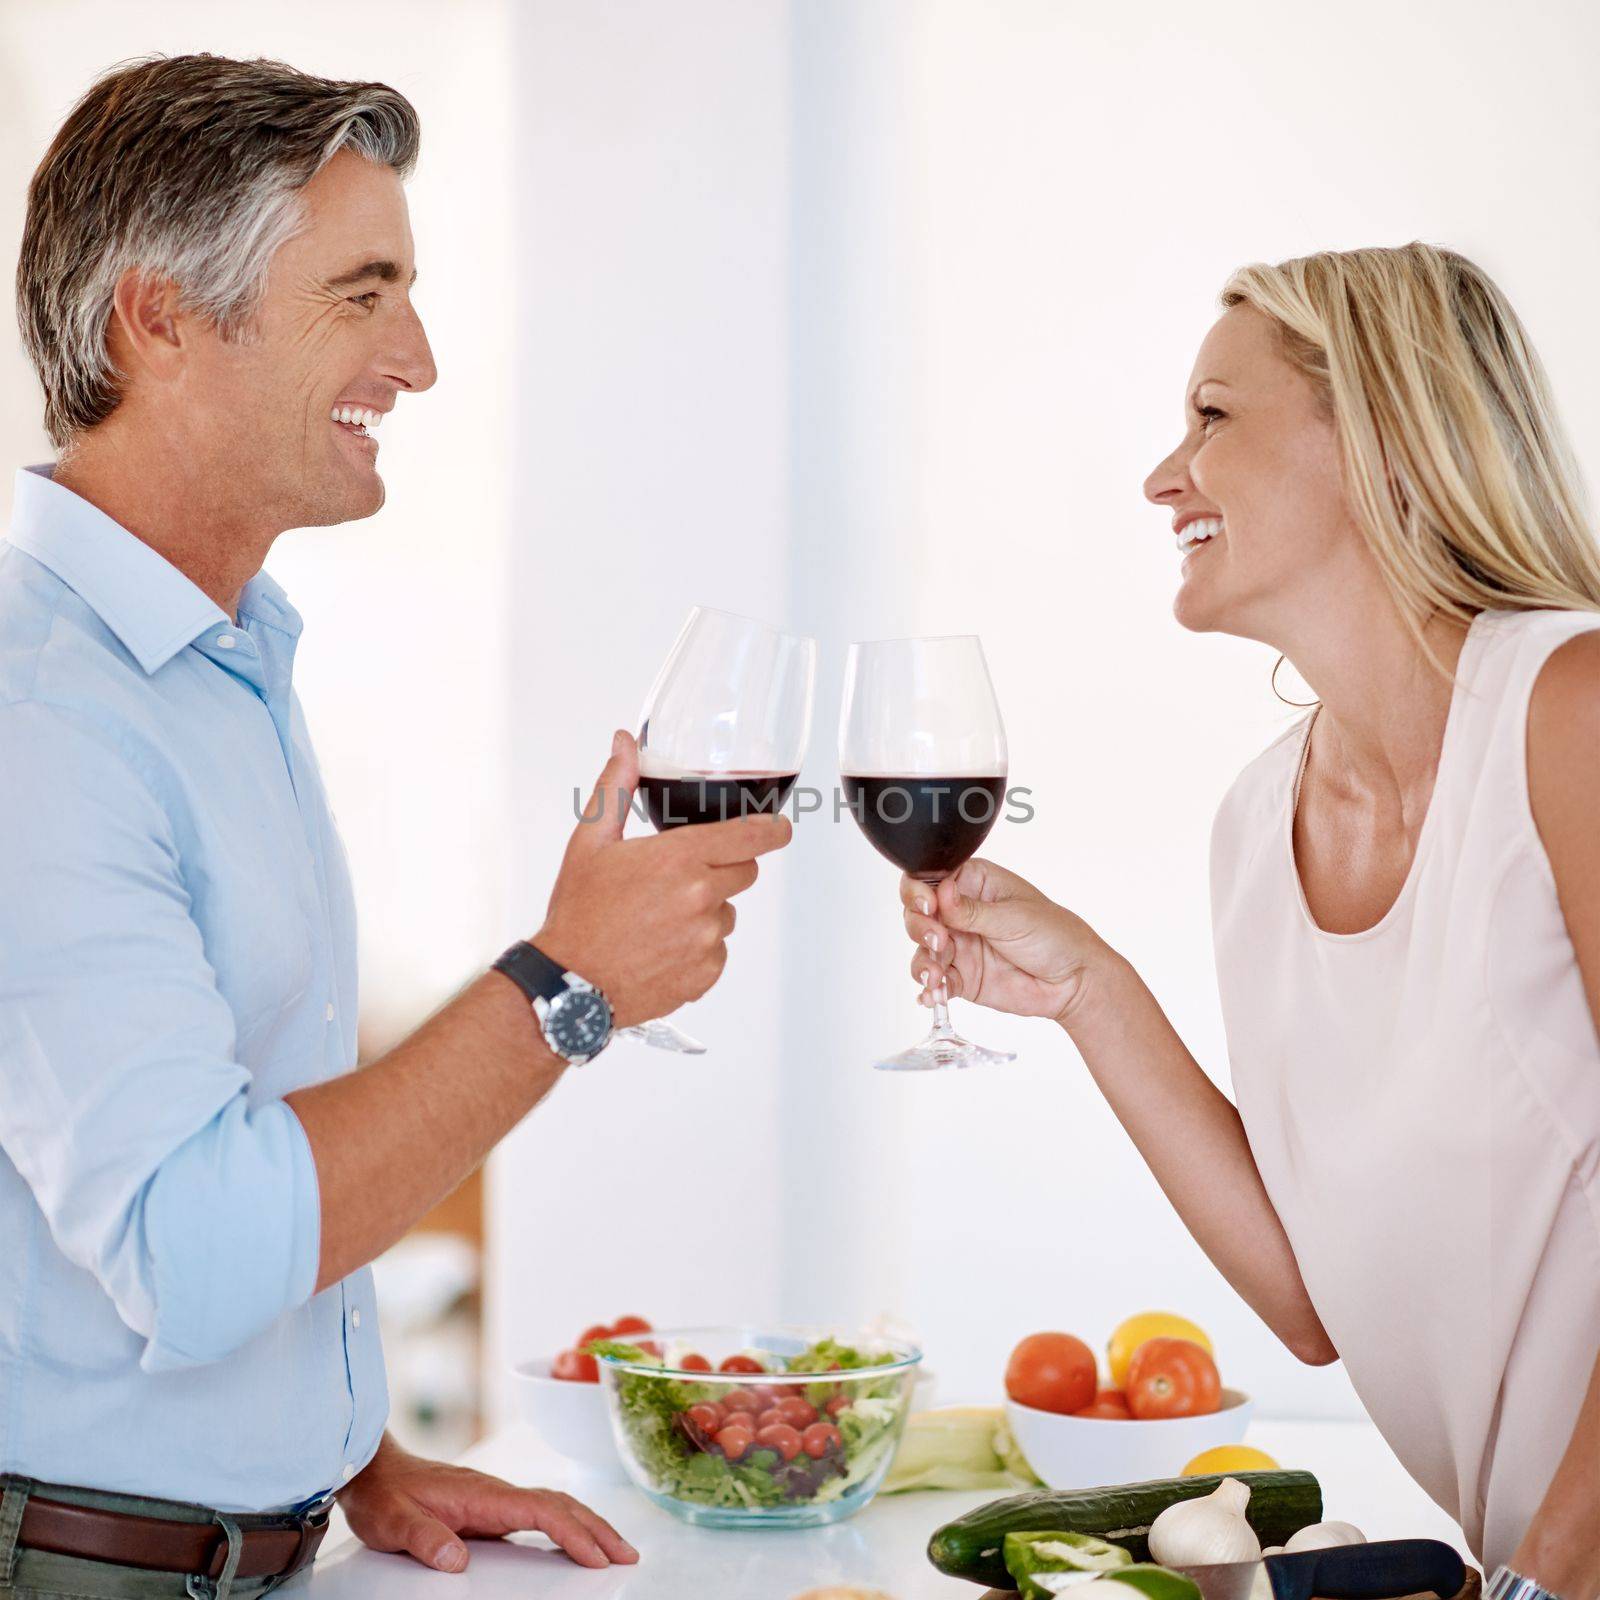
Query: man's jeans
(37,1575)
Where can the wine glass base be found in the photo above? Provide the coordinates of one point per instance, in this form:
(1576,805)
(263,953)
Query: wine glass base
(663,1036)
(943,1052)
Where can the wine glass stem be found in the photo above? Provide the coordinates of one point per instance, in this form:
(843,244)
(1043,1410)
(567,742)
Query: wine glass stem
(941,1012)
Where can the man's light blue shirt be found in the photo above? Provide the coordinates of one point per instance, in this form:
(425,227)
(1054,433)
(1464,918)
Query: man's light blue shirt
(177,954)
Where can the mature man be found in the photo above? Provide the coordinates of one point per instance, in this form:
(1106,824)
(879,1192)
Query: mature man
(215,289)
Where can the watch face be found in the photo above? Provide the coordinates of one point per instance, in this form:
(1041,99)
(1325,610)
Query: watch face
(579,1022)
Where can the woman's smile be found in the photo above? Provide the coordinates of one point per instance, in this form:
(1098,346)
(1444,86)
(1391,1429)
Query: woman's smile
(1194,530)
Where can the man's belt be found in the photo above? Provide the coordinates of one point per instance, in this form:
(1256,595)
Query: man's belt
(196,1548)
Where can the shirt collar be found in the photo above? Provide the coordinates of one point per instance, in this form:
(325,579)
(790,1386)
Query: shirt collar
(140,596)
(263,600)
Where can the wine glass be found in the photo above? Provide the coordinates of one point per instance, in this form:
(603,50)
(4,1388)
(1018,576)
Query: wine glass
(922,757)
(723,732)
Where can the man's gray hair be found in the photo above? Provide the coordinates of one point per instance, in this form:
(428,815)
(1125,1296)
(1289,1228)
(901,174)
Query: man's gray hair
(187,168)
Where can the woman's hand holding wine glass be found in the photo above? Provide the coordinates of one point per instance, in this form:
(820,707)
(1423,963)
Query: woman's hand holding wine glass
(998,941)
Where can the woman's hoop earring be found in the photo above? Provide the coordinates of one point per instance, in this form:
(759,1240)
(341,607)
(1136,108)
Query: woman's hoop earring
(1299,705)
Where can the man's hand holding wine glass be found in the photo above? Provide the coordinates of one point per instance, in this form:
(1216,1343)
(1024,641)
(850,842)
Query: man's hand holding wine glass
(1001,943)
(647,919)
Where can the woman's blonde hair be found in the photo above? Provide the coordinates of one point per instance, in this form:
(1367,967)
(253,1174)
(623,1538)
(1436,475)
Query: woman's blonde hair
(1457,468)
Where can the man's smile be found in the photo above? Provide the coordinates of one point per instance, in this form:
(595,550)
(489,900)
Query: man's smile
(357,423)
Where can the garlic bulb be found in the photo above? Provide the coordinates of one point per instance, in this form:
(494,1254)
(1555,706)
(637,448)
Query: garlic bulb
(1208,1529)
(1325,1535)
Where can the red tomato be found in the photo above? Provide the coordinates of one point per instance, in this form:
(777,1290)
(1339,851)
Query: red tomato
(740,1400)
(708,1418)
(1172,1378)
(769,1415)
(780,1437)
(767,1394)
(694,1362)
(734,1440)
(798,1413)
(650,1347)
(820,1438)
(741,1364)
(840,1402)
(1110,1405)
(593,1335)
(575,1367)
(623,1326)
(1051,1372)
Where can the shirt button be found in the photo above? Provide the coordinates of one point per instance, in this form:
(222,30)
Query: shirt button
(355,1317)
(328,1013)
(226,641)
(348,1473)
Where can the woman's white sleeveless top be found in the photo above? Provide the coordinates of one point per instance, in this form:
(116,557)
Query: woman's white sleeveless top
(1423,1101)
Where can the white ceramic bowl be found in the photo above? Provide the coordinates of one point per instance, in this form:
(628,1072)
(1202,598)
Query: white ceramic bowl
(571,1418)
(1090,1452)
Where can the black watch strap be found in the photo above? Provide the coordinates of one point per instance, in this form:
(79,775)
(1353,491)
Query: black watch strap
(533,972)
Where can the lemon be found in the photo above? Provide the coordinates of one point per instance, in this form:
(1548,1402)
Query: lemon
(1230,1458)
(1148,1325)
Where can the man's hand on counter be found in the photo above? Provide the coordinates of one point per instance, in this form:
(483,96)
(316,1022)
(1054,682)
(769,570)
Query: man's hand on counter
(427,1508)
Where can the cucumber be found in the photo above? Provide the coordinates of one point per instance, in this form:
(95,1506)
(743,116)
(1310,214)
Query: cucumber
(971,1547)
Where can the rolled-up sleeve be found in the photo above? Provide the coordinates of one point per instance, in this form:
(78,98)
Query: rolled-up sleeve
(121,1102)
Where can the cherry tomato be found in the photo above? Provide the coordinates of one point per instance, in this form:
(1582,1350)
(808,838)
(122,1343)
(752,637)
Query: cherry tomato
(1172,1378)
(840,1402)
(708,1418)
(820,1438)
(694,1362)
(780,1437)
(741,1364)
(796,1412)
(1051,1372)
(593,1335)
(734,1440)
(575,1367)
(1110,1405)
(623,1326)
(740,1400)
(650,1348)
(767,1394)
(768,1418)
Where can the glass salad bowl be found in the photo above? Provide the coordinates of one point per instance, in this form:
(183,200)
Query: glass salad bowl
(748,1427)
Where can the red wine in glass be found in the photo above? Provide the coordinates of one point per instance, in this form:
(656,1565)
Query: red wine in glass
(926,826)
(713,796)
(922,757)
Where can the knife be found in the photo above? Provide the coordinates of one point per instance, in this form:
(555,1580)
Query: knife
(1381,1571)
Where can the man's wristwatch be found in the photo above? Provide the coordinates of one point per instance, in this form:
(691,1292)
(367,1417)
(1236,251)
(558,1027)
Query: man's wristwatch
(573,1015)
(1509,1585)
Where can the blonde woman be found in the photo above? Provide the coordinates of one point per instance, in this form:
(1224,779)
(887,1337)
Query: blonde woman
(1405,886)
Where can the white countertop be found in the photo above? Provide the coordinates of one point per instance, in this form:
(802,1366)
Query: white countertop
(882,1547)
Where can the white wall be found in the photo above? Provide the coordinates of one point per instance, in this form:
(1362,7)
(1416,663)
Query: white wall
(972,250)
(652,427)
(868,316)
